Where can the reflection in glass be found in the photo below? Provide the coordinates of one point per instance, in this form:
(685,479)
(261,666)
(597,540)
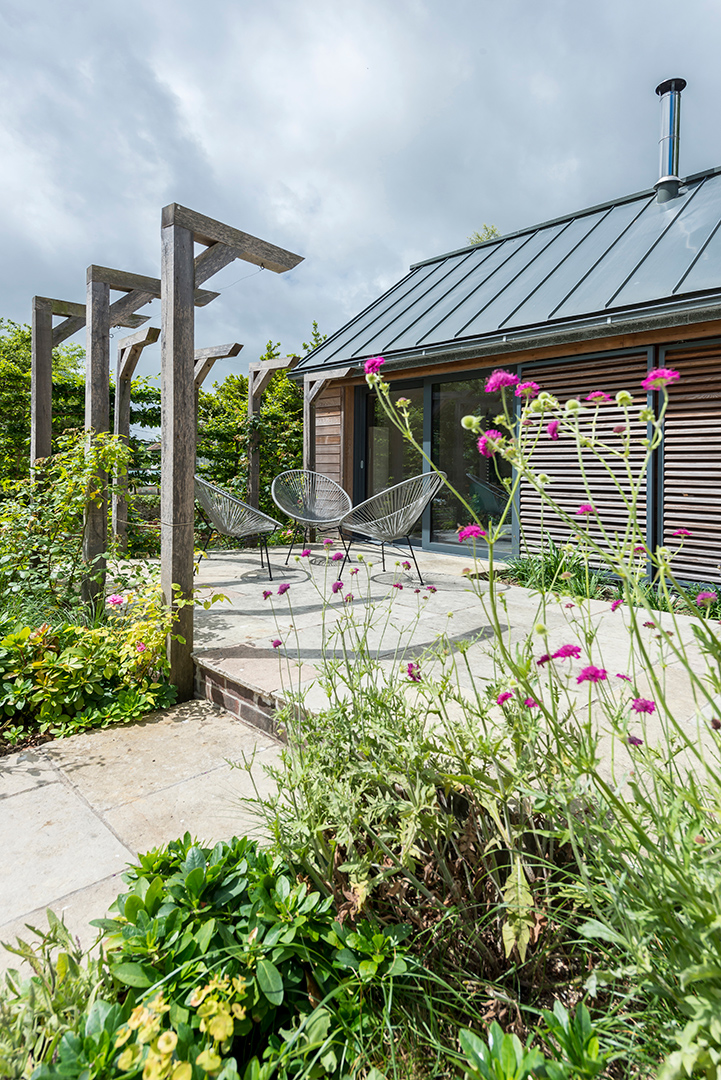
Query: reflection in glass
(478,479)
(390,458)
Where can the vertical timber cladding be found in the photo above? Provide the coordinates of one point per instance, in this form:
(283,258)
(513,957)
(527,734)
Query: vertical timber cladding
(692,462)
(329,433)
(576,379)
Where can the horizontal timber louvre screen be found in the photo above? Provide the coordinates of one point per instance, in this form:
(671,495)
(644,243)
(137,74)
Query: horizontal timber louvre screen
(692,463)
(577,379)
(329,434)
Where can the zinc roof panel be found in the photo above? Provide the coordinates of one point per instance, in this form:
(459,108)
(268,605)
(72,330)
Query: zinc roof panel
(677,249)
(596,291)
(467,306)
(705,271)
(460,274)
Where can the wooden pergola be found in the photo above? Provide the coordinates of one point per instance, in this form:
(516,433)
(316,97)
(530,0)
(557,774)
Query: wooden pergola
(183,369)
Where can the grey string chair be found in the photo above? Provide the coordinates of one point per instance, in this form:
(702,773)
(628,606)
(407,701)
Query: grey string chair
(391,514)
(228,515)
(310,499)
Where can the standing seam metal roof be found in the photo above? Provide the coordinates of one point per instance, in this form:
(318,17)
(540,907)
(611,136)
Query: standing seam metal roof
(634,253)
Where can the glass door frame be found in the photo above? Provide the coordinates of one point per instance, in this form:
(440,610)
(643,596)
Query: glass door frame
(360,448)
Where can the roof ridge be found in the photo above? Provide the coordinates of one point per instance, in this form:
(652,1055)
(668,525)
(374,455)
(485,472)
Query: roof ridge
(646,193)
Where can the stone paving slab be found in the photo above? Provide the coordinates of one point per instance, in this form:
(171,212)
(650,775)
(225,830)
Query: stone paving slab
(75,811)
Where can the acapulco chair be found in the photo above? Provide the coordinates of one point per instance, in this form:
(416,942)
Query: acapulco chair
(311,500)
(228,515)
(391,514)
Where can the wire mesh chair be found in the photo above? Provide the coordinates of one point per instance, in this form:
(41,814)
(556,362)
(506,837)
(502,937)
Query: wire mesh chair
(310,499)
(392,513)
(231,517)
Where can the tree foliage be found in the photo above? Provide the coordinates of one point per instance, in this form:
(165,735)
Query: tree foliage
(486,232)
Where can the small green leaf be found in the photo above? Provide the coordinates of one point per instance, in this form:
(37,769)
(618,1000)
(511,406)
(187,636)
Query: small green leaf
(133,975)
(270,981)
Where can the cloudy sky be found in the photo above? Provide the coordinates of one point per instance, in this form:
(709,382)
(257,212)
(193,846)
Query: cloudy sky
(361,134)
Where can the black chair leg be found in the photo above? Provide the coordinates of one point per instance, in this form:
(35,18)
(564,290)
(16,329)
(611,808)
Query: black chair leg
(346,549)
(383,555)
(413,556)
(292,541)
(267,557)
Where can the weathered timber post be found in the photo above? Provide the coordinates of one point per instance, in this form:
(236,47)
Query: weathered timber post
(97,420)
(259,375)
(313,385)
(41,379)
(180,229)
(177,460)
(129,352)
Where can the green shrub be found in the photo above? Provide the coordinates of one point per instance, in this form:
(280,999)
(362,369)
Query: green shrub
(224,962)
(61,679)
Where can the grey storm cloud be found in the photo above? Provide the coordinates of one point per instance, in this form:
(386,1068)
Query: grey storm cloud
(363,135)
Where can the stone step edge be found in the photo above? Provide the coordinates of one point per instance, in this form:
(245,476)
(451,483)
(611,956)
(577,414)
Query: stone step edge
(242,699)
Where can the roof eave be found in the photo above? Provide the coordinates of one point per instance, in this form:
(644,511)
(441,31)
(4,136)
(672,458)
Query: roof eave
(591,329)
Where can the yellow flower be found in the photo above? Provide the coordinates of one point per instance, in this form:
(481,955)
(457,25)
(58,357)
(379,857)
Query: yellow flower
(129,1057)
(122,1037)
(167,1042)
(238,1011)
(183,1071)
(209,1060)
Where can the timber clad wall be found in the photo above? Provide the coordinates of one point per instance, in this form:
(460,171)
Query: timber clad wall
(560,458)
(329,433)
(692,462)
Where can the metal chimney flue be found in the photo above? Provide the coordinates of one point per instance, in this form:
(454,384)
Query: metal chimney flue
(669,181)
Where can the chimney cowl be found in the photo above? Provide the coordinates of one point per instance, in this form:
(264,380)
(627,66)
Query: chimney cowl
(669,182)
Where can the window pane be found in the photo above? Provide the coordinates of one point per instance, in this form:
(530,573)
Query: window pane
(390,458)
(479,480)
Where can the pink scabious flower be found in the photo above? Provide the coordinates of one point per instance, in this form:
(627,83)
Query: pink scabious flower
(528,390)
(266,593)
(598,396)
(530,703)
(347,599)
(543,660)
(659,378)
(406,565)
(469,531)
(616,604)
(703,599)
(276,643)
(328,542)
(336,586)
(650,624)
(116,600)
(716,724)
(585,508)
(354,570)
(414,672)
(552,430)
(638,549)
(682,532)
(620,676)
(397,585)
(592,674)
(373,366)
(488,442)
(305,553)
(620,429)
(141,646)
(567,651)
(431,588)
(336,556)
(633,740)
(282,589)
(499,379)
(505,696)
(569,605)
(643,705)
